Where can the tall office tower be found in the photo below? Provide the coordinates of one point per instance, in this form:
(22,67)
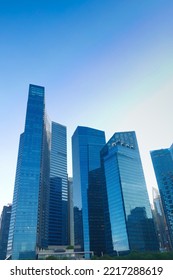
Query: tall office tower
(70,212)
(58,204)
(4,230)
(163,166)
(131,225)
(97,212)
(160,222)
(86,146)
(29,218)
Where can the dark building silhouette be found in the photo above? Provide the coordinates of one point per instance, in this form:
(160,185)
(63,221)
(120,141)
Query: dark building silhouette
(78,228)
(144,237)
(96,212)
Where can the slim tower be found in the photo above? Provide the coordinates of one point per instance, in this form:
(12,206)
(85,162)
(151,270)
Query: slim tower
(70,212)
(58,204)
(29,219)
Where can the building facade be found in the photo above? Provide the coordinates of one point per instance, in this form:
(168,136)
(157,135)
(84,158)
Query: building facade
(70,212)
(4,230)
(58,203)
(86,146)
(160,222)
(129,225)
(29,218)
(163,166)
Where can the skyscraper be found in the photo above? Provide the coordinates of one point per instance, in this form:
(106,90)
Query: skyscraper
(29,218)
(4,230)
(160,222)
(163,166)
(58,204)
(70,212)
(86,146)
(130,224)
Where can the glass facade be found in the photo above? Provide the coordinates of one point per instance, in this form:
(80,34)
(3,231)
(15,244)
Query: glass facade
(58,205)
(29,219)
(4,230)
(163,166)
(86,146)
(70,212)
(160,222)
(96,210)
(131,224)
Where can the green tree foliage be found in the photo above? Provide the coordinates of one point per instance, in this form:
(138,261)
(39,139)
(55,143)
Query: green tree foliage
(51,258)
(139,256)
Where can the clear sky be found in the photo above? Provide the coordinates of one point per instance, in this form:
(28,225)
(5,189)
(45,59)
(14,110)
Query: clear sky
(106,64)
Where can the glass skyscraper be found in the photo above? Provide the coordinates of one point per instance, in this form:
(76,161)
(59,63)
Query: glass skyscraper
(160,222)
(58,204)
(129,225)
(163,166)
(70,212)
(29,218)
(4,230)
(86,146)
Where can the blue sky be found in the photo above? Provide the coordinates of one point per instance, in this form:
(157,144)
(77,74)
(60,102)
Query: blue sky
(106,64)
